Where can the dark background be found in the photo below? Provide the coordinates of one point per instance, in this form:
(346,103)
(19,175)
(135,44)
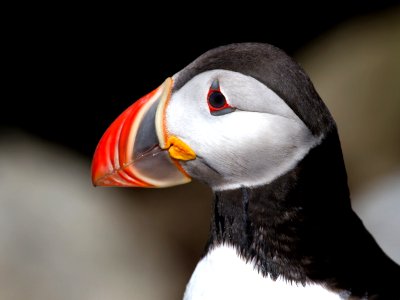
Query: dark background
(70,70)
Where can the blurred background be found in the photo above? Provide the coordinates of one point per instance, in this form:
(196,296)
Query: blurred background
(71,70)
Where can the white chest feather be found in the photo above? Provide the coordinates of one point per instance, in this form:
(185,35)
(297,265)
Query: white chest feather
(222,274)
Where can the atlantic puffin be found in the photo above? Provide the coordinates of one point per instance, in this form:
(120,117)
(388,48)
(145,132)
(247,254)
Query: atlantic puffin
(246,120)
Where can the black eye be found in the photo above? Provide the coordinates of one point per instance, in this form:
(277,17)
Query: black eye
(216,100)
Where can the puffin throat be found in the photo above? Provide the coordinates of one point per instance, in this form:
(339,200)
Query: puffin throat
(301,227)
(282,227)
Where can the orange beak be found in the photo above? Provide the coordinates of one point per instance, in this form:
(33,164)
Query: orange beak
(137,150)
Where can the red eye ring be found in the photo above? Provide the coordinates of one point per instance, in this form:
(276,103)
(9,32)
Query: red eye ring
(216,101)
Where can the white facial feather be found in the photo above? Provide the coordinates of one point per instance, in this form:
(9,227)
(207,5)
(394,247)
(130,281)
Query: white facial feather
(251,146)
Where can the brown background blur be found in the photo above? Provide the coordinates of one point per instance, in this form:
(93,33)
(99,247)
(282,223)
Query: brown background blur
(61,238)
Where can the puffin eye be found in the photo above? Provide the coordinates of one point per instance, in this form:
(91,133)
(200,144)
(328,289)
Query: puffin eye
(217,102)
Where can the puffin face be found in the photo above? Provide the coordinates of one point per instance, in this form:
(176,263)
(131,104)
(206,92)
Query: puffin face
(219,124)
(241,131)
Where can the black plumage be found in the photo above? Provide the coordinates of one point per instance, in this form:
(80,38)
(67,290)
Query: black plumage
(302,227)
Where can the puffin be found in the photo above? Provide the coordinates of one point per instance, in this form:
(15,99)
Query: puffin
(246,120)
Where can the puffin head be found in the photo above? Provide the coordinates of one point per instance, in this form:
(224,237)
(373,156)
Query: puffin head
(239,115)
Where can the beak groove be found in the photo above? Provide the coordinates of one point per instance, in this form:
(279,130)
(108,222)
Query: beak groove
(135,151)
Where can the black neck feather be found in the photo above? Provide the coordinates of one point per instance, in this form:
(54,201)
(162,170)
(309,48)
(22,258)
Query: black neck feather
(302,227)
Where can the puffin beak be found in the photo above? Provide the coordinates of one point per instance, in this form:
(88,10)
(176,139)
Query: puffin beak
(137,151)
